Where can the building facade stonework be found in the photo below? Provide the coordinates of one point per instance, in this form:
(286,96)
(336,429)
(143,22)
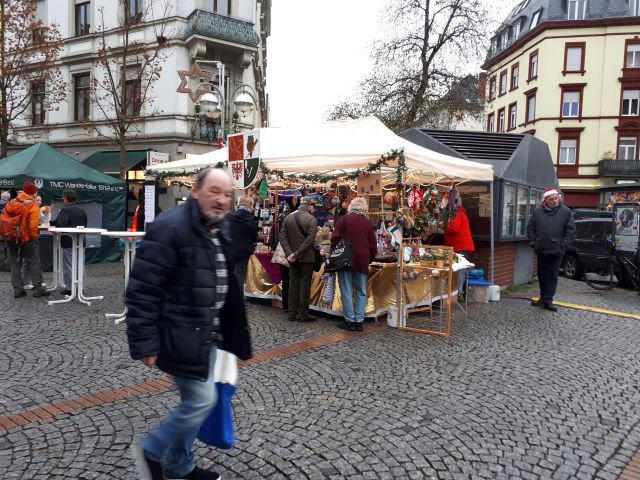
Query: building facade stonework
(568,72)
(226,39)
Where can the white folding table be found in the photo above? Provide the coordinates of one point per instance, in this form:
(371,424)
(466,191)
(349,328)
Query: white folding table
(129,239)
(77,235)
(58,274)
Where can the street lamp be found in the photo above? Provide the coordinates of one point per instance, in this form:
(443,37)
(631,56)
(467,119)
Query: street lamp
(209,108)
(244,100)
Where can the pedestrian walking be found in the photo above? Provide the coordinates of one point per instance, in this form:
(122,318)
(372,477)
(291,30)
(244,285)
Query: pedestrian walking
(182,305)
(356,228)
(458,235)
(70,216)
(244,231)
(21,217)
(297,237)
(550,230)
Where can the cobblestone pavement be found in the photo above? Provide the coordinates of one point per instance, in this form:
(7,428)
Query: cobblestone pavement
(516,392)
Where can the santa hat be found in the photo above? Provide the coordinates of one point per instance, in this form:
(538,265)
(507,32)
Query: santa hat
(550,191)
(29,188)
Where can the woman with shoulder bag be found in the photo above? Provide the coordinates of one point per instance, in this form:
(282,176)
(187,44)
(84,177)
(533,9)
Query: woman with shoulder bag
(355,228)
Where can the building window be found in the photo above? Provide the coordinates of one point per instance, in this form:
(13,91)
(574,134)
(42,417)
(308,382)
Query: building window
(574,57)
(530,113)
(135,10)
(37,103)
(515,73)
(491,118)
(630,101)
(492,88)
(82,18)
(516,29)
(568,150)
(81,97)
(503,82)
(220,7)
(576,9)
(523,4)
(633,55)
(513,116)
(571,102)
(500,120)
(634,7)
(535,18)
(627,147)
(533,65)
(133,84)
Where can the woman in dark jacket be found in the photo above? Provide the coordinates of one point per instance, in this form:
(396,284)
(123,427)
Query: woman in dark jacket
(244,232)
(274,239)
(356,228)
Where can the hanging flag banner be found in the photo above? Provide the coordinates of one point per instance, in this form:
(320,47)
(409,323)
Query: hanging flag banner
(244,158)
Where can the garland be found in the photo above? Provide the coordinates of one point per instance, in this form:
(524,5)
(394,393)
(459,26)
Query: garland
(183,173)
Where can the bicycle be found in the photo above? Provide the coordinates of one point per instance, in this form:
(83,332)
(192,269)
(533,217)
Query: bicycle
(609,271)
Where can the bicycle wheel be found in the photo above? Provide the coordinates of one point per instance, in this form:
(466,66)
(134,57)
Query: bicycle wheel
(603,273)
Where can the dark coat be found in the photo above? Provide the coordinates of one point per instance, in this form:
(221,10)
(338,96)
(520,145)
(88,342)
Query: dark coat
(170,296)
(357,230)
(71,215)
(292,239)
(550,231)
(243,229)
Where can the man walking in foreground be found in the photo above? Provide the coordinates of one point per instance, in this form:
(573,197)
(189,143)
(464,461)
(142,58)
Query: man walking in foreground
(550,230)
(183,304)
(297,236)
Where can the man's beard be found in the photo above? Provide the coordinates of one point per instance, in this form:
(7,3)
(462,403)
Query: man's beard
(212,218)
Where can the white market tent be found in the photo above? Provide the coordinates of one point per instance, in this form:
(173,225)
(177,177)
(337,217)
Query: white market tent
(340,146)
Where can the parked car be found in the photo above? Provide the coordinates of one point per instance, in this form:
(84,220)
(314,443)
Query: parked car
(591,235)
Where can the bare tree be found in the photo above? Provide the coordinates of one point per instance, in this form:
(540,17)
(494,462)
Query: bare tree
(429,49)
(122,87)
(30,81)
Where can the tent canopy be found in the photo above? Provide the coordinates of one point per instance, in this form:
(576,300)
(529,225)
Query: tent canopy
(109,161)
(192,162)
(343,146)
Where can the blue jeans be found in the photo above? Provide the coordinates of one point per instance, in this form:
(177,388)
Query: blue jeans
(171,442)
(348,281)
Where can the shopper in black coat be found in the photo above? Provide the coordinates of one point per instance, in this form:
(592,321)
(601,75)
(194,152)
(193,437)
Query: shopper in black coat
(243,229)
(70,216)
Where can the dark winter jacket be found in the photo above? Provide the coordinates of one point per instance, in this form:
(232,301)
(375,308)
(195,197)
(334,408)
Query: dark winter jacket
(550,231)
(357,230)
(71,215)
(170,297)
(294,241)
(243,230)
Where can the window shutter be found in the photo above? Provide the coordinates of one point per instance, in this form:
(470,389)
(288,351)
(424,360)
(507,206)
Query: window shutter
(574,59)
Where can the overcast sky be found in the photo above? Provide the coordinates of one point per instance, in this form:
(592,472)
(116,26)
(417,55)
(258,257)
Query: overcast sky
(318,53)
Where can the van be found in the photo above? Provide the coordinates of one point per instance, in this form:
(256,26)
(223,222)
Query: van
(591,237)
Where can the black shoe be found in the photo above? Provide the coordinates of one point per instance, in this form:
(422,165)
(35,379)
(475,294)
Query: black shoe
(148,469)
(198,474)
(537,303)
(359,326)
(550,306)
(40,292)
(20,294)
(65,292)
(348,326)
(307,318)
(293,317)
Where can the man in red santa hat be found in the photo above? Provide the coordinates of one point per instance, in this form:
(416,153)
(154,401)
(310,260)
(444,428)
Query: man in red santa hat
(550,230)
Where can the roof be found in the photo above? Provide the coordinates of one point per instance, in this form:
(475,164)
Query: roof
(552,11)
(43,162)
(519,158)
(109,161)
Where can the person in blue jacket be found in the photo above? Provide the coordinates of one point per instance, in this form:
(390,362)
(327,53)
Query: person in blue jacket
(183,303)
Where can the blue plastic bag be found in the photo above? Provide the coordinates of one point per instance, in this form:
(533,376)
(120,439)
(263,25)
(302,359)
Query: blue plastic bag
(217,428)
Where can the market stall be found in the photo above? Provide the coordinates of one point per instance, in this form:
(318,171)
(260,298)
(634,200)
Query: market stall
(408,186)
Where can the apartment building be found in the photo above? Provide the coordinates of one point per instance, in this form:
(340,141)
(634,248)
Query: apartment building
(216,47)
(568,72)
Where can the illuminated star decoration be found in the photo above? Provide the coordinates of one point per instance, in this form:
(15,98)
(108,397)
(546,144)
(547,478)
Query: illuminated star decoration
(194,72)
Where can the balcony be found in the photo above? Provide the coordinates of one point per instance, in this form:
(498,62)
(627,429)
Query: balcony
(220,27)
(619,168)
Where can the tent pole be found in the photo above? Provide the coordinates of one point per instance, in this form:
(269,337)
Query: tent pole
(491,253)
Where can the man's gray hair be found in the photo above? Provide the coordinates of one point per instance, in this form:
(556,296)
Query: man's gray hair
(202,174)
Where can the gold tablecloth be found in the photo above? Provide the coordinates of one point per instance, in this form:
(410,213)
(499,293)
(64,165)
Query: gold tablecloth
(381,289)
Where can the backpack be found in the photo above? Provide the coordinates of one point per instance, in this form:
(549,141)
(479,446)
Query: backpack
(10,219)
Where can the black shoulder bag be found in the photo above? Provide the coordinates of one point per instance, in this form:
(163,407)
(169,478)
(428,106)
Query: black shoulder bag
(342,256)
